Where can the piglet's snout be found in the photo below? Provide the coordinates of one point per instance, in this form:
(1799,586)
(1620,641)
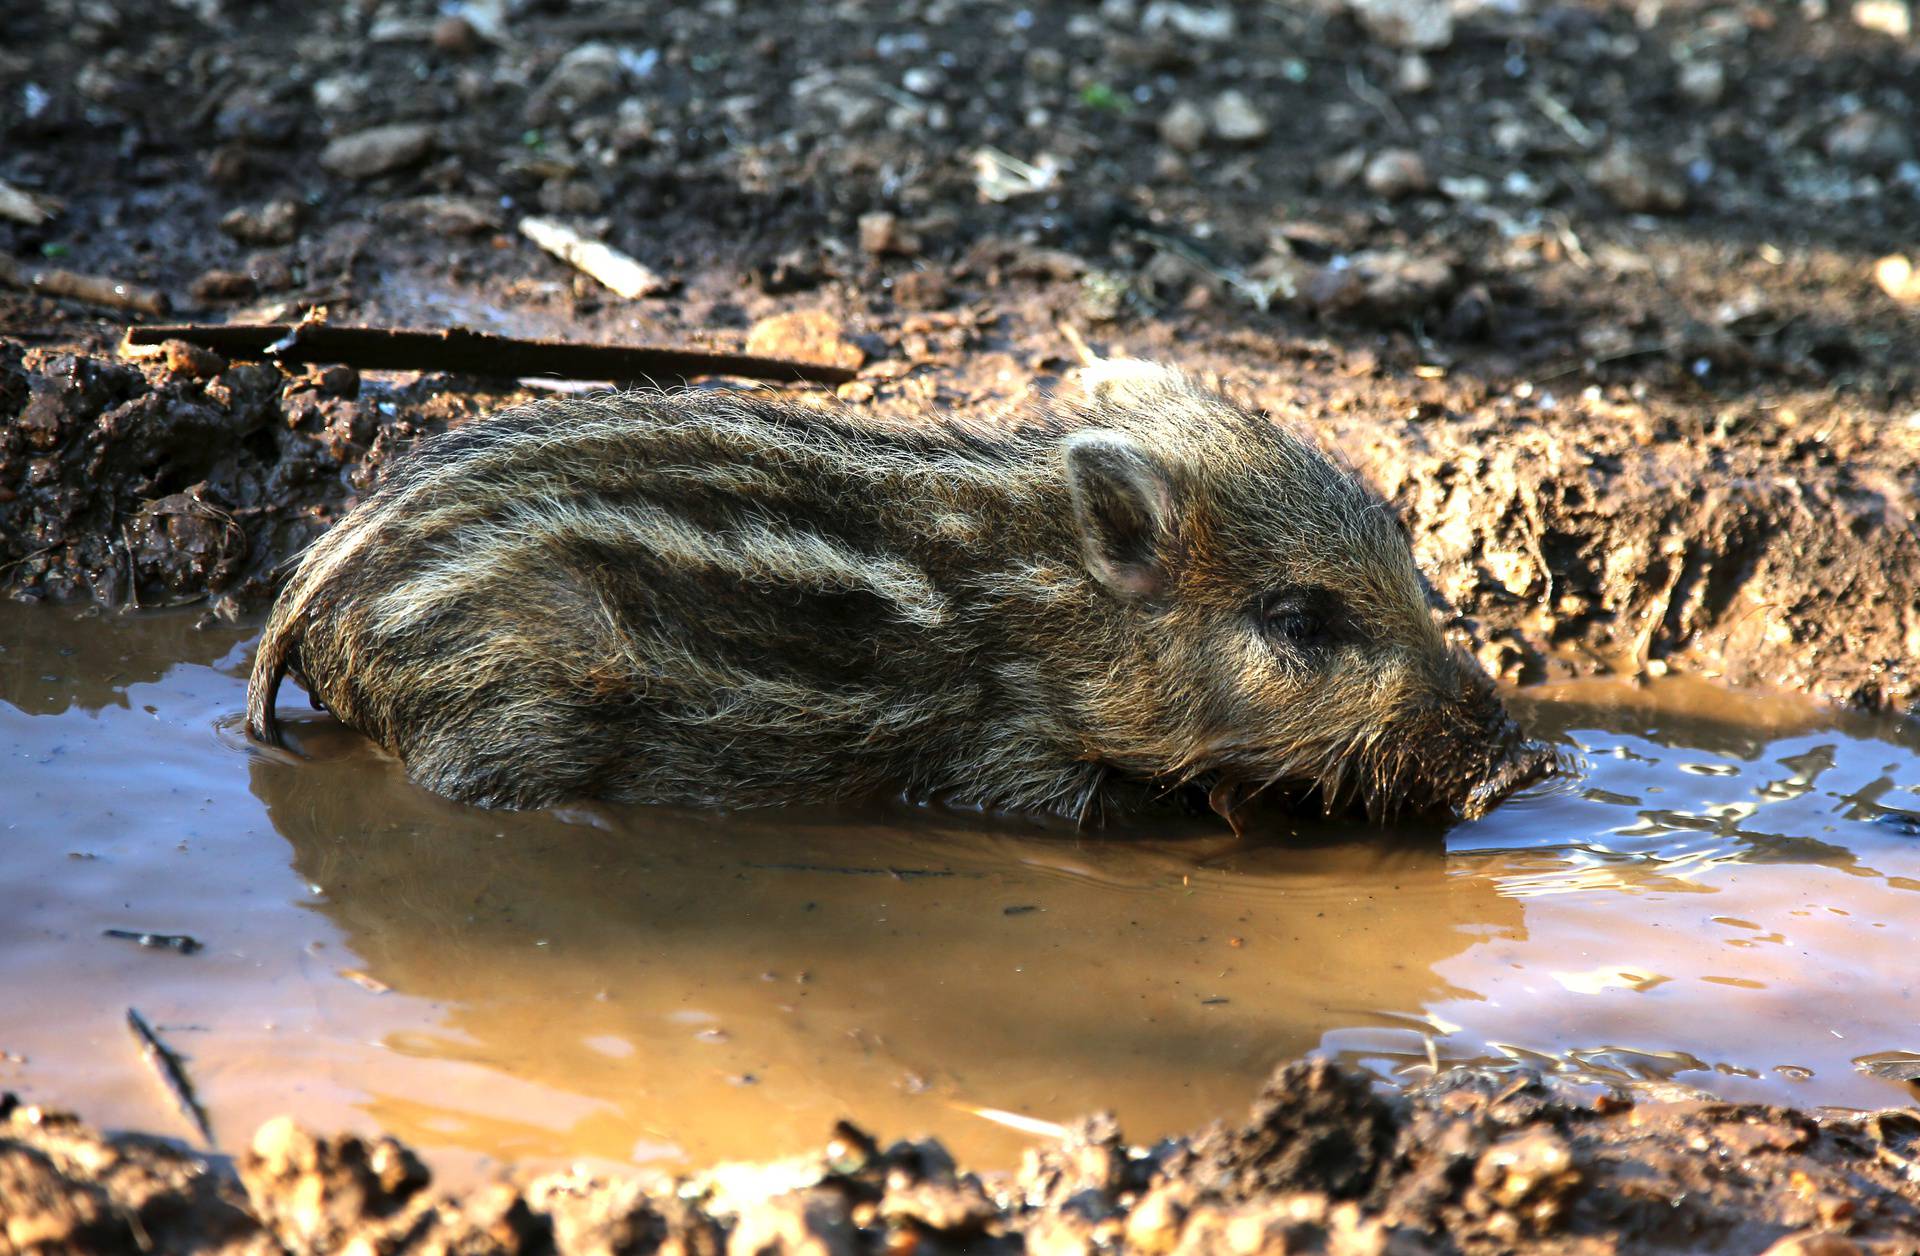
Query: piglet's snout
(1524,763)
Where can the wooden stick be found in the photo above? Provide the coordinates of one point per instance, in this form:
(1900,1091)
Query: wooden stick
(625,275)
(100,290)
(172,1073)
(476,353)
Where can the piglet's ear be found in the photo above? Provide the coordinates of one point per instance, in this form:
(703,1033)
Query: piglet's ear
(1123,508)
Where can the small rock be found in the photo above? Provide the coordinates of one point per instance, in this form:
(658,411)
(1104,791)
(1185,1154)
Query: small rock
(272,223)
(1869,139)
(924,80)
(1341,169)
(223,285)
(807,336)
(1702,82)
(591,73)
(792,271)
(1416,25)
(882,235)
(341,93)
(1211,25)
(1636,185)
(813,1223)
(1184,126)
(379,150)
(1471,189)
(1386,285)
(339,381)
(1533,1175)
(921,290)
(227,165)
(193,361)
(1235,120)
(455,36)
(1898,277)
(446,215)
(1153,1227)
(1889,17)
(1395,173)
(1414,74)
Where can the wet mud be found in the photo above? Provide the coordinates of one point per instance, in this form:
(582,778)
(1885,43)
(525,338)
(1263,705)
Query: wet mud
(1473,1162)
(1706,919)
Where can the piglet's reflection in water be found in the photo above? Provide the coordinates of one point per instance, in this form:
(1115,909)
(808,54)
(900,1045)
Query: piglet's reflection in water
(732,984)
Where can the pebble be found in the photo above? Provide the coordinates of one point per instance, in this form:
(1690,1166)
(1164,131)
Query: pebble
(223,285)
(1636,185)
(807,336)
(1184,126)
(1702,82)
(923,80)
(1235,120)
(272,223)
(921,290)
(1414,74)
(1889,17)
(446,215)
(1415,25)
(378,150)
(1868,138)
(881,235)
(1396,173)
(1898,277)
(455,36)
(591,73)
(191,360)
(1210,25)
(341,93)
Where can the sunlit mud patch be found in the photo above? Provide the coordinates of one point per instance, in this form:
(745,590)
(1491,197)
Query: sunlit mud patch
(1715,897)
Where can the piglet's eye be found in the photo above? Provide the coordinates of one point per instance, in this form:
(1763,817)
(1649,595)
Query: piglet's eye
(1298,619)
(1296,627)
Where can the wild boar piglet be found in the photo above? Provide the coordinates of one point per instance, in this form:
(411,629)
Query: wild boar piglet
(724,598)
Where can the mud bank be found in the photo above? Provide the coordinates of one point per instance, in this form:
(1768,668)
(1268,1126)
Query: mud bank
(1475,1162)
(1572,537)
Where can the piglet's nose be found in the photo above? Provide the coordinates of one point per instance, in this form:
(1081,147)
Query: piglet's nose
(1525,763)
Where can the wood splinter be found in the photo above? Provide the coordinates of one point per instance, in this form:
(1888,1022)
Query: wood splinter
(623,274)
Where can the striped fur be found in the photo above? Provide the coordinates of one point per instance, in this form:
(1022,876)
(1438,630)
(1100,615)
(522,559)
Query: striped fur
(724,598)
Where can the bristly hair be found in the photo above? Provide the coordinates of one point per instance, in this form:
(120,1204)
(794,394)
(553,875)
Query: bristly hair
(730,598)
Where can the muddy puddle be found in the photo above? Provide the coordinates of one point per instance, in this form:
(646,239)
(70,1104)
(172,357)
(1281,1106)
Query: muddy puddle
(1723,898)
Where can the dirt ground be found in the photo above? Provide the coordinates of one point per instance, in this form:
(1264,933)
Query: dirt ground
(1606,297)
(1589,289)
(1476,1162)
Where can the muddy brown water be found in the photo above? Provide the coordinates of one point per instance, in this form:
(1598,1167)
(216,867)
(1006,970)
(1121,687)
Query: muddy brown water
(1723,896)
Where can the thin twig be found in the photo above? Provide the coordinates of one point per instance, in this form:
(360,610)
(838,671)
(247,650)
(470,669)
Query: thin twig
(1358,85)
(166,1062)
(102,290)
(475,353)
(1072,336)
